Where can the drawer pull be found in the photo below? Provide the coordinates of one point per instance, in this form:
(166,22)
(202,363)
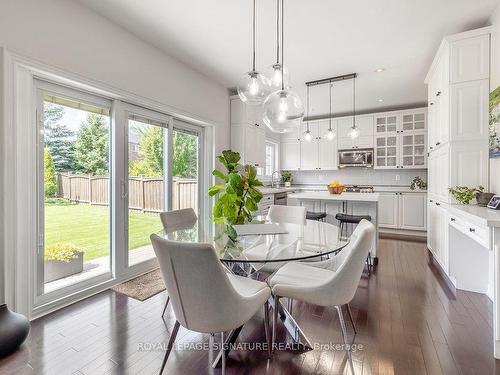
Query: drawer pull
(472,230)
(453,219)
(438,204)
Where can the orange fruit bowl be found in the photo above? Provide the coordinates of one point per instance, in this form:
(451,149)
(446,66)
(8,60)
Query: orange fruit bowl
(335,189)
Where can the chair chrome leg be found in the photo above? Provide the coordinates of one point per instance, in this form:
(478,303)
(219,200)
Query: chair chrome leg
(170,345)
(290,305)
(266,328)
(223,354)
(344,337)
(275,319)
(349,312)
(165,308)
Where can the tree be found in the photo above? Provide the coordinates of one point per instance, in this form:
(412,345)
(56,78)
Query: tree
(58,140)
(91,146)
(150,163)
(185,155)
(49,172)
(57,137)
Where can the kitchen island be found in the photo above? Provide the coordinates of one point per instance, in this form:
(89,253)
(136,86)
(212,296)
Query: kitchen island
(332,204)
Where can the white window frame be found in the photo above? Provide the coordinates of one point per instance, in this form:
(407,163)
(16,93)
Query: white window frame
(275,166)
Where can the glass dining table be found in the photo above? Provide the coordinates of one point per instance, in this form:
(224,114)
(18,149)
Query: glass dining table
(262,249)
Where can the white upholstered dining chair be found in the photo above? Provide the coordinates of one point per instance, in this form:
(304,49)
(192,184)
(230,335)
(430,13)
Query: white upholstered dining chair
(204,297)
(287,214)
(177,220)
(323,286)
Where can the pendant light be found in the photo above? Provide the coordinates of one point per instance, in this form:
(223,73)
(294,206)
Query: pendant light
(307,134)
(283,109)
(277,71)
(354,132)
(330,134)
(252,86)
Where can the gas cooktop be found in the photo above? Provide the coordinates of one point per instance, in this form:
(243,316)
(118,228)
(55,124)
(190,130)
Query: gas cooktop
(358,189)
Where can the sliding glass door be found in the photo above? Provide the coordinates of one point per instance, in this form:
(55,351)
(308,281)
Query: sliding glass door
(74,183)
(106,170)
(148,176)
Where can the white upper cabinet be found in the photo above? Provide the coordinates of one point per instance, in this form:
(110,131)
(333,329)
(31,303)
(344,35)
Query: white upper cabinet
(319,153)
(400,140)
(248,134)
(365,127)
(458,90)
(470,59)
(290,155)
(469,110)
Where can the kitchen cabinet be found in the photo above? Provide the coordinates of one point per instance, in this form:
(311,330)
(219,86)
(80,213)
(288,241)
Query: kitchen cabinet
(400,140)
(364,124)
(437,237)
(403,210)
(290,155)
(319,153)
(388,210)
(250,142)
(470,58)
(248,134)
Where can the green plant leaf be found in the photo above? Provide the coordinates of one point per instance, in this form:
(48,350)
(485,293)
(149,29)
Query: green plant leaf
(219,174)
(212,190)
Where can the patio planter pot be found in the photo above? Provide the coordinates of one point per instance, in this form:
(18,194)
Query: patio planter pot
(56,269)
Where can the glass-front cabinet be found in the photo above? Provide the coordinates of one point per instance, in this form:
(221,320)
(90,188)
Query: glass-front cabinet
(400,140)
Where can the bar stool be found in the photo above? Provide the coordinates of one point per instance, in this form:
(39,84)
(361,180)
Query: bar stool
(318,216)
(354,220)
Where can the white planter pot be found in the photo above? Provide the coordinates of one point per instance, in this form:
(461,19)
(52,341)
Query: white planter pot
(288,184)
(56,269)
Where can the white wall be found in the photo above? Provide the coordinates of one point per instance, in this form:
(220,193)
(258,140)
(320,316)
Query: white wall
(2,215)
(494,83)
(65,34)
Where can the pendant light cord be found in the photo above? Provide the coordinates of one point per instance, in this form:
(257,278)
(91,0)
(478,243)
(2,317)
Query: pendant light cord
(330,122)
(253,38)
(307,123)
(277,31)
(282,46)
(354,103)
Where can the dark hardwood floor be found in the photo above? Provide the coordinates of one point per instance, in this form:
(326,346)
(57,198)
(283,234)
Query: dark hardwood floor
(408,323)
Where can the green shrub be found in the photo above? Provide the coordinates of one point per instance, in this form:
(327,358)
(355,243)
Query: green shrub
(62,252)
(49,172)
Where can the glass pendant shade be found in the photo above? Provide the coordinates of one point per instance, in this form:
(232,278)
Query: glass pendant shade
(330,134)
(274,77)
(308,136)
(353,133)
(283,111)
(252,88)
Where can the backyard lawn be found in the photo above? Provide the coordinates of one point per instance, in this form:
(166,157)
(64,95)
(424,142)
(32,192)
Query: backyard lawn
(87,227)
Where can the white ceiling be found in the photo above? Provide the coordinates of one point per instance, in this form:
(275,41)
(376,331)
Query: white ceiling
(323,38)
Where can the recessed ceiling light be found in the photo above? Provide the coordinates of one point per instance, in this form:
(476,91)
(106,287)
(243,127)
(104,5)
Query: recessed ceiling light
(379,70)
(380,100)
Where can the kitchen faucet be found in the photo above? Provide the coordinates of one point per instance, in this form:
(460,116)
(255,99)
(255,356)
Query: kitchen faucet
(272,179)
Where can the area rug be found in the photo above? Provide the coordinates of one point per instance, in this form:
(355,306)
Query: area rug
(142,287)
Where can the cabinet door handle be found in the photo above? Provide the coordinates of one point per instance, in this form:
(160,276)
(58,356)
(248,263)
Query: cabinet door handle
(472,230)
(438,204)
(432,148)
(438,143)
(453,219)
(430,200)
(438,93)
(431,103)
(257,124)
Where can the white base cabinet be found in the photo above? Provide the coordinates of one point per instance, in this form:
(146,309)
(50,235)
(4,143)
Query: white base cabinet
(402,210)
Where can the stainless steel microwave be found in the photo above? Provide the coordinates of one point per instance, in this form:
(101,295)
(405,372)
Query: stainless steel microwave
(362,157)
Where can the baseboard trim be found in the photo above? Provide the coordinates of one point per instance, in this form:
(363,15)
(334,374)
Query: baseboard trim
(441,275)
(403,236)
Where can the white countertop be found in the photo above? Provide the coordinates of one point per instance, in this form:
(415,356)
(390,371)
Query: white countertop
(324,195)
(483,215)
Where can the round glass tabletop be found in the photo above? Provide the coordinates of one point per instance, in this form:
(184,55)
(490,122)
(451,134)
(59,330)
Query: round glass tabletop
(267,242)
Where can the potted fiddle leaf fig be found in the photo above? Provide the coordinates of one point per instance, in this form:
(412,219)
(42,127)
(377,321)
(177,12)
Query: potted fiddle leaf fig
(237,195)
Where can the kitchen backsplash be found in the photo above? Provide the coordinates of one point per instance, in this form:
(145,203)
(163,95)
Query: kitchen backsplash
(360,176)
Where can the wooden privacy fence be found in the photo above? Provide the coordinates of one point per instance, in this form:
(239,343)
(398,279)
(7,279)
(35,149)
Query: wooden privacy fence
(144,194)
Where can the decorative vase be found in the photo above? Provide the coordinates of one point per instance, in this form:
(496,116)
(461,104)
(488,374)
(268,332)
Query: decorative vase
(14,329)
(483,198)
(288,183)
